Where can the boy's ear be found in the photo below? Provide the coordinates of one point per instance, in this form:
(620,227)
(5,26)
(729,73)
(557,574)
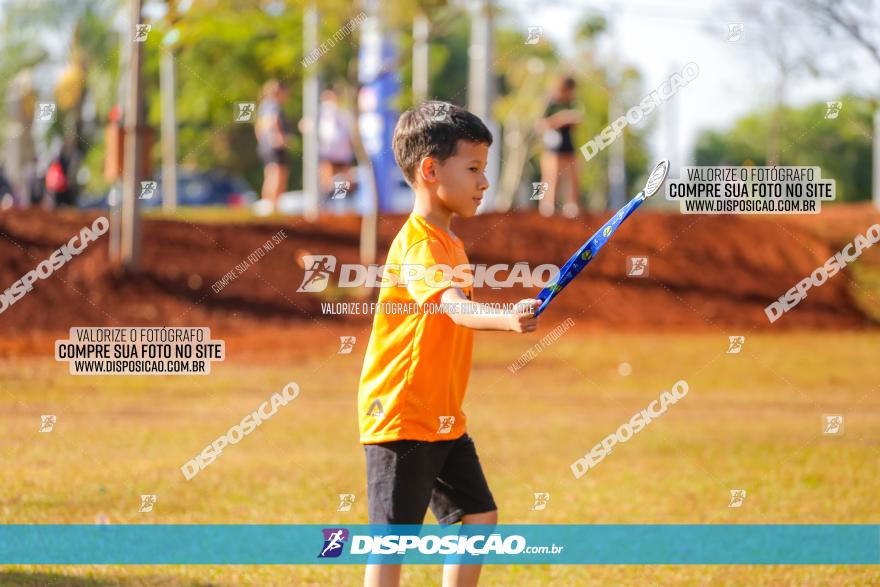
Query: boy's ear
(427,169)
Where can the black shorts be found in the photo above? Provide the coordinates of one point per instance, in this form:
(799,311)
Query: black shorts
(278,156)
(404,477)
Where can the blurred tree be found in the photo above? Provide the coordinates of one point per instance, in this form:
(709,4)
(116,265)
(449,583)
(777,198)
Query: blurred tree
(856,21)
(840,146)
(448,47)
(529,73)
(226,50)
(84,91)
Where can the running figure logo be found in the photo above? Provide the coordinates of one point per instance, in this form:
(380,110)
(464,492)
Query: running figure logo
(440,111)
(346,500)
(541,500)
(334,540)
(535,33)
(539,188)
(141,31)
(47,423)
(148,190)
(833,424)
(46,111)
(318,270)
(147,503)
(244,111)
(737,497)
(340,189)
(636,266)
(346,344)
(446,423)
(735,31)
(736,344)
(832,109)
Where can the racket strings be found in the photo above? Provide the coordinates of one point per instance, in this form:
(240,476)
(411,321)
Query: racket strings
(656,178)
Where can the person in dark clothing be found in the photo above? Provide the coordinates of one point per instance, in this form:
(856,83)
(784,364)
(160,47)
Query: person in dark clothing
(558,162)
(273,131)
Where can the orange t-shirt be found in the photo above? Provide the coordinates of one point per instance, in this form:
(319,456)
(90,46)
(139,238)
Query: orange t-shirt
(417,363)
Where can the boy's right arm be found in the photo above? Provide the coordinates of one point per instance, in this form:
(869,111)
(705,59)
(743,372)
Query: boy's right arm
(478,316)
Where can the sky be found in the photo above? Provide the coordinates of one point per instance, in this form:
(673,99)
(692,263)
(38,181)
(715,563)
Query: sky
(660,36)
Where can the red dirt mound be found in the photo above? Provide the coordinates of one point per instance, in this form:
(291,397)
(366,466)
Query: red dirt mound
(705,272)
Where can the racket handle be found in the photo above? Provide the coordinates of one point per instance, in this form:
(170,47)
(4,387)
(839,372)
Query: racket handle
(540,308)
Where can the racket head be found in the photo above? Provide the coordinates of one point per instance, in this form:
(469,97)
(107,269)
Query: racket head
(656,179)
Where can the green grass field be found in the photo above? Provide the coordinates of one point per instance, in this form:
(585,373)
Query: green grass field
(750,421)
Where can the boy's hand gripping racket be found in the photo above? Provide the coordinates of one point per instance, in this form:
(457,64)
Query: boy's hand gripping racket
(589,249)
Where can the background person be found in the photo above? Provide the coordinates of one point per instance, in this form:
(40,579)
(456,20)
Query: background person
(558,162)
(272,132)
(335,145)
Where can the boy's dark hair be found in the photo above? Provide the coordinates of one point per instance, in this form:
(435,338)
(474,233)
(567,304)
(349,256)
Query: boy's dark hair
(433,129)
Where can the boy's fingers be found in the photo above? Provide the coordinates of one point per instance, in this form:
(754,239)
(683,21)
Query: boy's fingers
(530,304)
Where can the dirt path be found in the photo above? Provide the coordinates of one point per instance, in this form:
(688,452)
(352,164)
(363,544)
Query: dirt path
(705,272)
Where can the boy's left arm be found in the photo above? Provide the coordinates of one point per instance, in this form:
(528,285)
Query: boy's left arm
(479,316)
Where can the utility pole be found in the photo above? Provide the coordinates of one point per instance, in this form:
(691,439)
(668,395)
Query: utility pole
(481,90)
(167,89)
(876,170)
(421,31)
(134,160)
(616,152)
(671,121)
(311,91)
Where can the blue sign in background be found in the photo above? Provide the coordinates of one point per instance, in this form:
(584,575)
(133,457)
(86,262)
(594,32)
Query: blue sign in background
(301,544)
(378,72)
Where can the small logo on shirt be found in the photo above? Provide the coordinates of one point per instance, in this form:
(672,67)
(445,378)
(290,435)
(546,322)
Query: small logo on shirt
(376,409)
(446,423)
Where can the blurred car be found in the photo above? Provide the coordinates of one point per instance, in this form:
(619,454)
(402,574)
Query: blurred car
(200,188)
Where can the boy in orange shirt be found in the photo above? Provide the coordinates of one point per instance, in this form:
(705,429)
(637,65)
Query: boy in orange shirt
(418,361)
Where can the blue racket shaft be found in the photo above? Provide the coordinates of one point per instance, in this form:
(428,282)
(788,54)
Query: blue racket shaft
(586,253)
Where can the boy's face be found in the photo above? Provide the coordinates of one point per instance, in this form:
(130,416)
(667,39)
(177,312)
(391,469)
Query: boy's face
(460,180)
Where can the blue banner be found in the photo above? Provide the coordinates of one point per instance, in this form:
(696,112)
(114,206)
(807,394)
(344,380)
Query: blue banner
(564,544)
(378,73)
